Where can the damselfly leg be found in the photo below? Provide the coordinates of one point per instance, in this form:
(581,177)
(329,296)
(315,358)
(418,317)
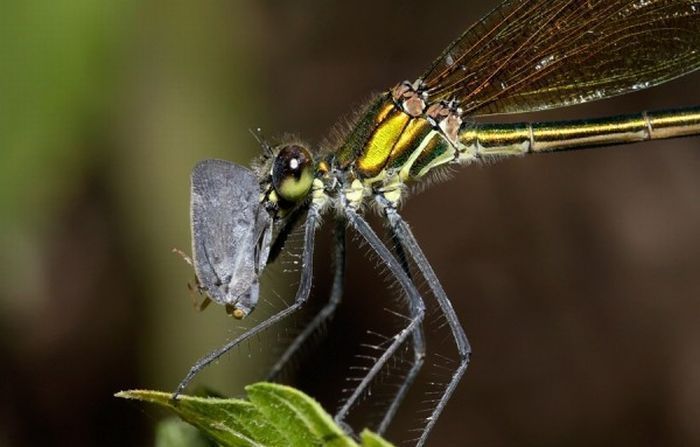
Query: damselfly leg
(417,342)
(302,295)
(416,307)
(406,239)
(327,311)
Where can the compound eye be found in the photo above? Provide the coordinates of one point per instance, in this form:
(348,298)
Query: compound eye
(292,173)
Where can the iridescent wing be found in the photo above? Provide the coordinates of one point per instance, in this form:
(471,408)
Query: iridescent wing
(529,55)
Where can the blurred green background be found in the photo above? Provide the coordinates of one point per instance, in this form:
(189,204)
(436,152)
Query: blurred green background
(576,275)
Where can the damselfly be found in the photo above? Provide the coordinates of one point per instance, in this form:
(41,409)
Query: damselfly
(526,55)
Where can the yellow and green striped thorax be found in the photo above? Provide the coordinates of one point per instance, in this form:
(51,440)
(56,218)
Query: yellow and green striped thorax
(400,134)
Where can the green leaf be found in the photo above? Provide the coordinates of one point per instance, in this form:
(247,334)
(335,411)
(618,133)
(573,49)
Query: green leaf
(304,419)
(370,439)
(172,432)
(230,422)
(275,416)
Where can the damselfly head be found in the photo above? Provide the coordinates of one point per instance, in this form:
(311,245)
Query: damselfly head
(231,234)
(292,173)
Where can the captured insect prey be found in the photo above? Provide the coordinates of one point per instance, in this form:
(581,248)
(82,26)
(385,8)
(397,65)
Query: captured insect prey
(230,234)
(524,56)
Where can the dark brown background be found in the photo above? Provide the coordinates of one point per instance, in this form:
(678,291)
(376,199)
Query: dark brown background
(575,274)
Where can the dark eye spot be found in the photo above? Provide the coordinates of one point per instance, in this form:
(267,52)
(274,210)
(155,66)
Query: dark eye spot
(292,172)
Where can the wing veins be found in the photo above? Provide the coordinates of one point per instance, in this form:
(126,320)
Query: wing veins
(579,50)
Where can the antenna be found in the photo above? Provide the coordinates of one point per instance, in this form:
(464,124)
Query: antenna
(257,134)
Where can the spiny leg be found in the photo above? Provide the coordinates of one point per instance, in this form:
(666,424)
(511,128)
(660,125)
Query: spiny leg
(408,241)
(287,228)
(328,309)
(418,343)
(301,297)
(416,306)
